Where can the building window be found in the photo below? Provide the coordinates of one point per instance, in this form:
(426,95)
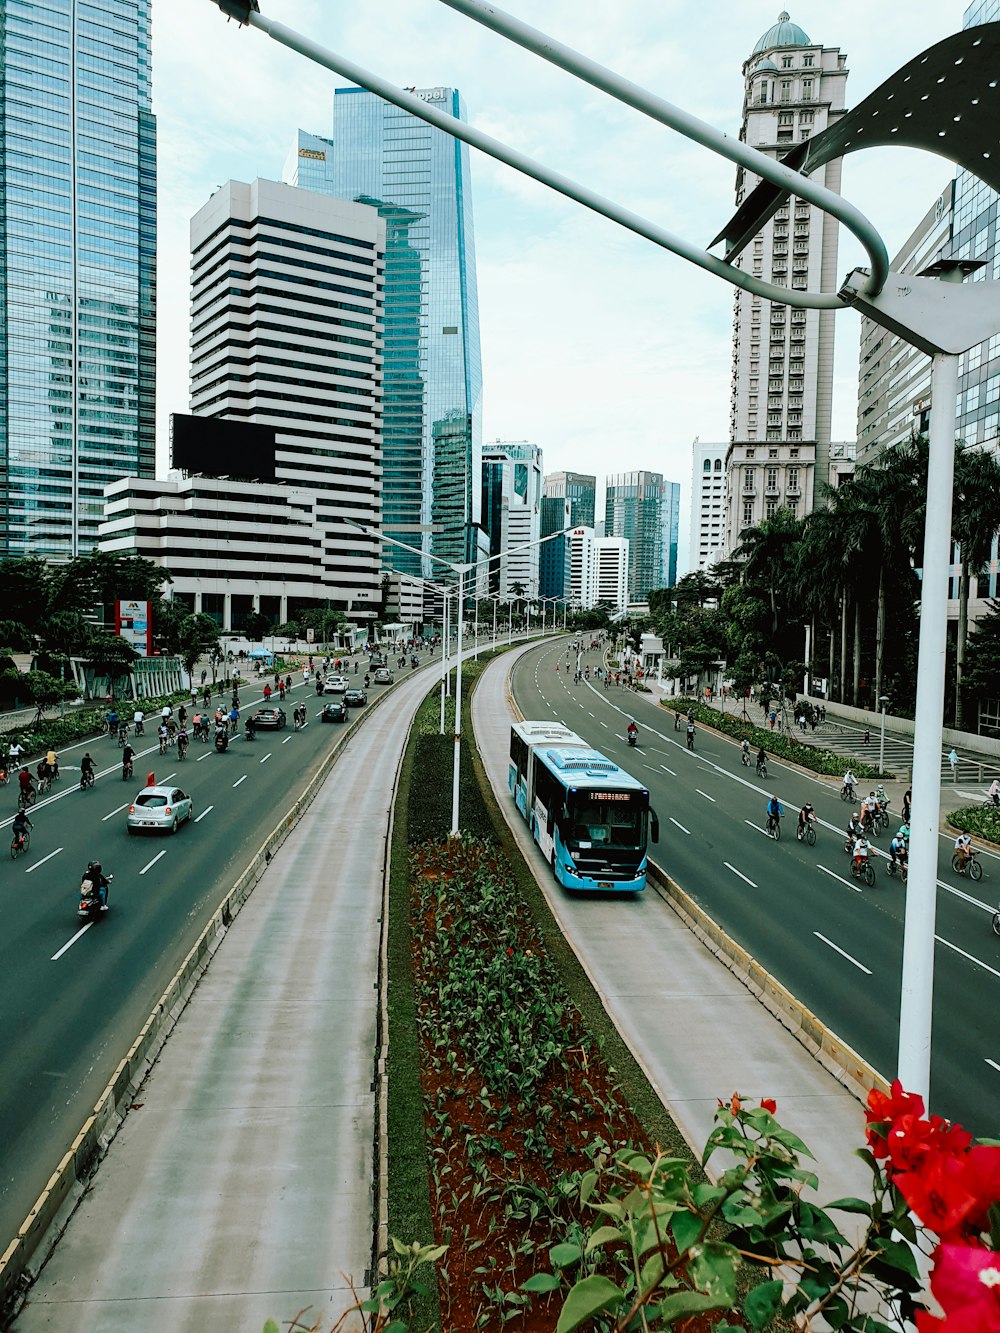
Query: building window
(762,92)
(748,479)
(786,117)
(786,62)
(793,453)
(747,513)
(807,90)
(786,90)
(793,478)
(772,479)
(718,465)
(770,508)
(751,452)
(772,453)
(807,61)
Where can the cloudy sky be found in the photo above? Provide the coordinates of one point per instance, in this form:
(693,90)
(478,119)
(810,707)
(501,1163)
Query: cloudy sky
(605,350)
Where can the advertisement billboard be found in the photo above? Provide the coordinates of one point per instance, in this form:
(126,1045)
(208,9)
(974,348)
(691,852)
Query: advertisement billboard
(133,625)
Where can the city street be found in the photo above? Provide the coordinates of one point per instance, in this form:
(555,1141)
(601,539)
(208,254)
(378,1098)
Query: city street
(832,941)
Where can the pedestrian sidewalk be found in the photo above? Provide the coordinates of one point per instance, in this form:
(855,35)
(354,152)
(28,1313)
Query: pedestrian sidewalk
(240,1186)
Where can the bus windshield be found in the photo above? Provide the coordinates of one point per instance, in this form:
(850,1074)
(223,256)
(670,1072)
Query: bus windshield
(597,820)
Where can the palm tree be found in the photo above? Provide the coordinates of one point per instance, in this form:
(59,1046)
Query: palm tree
(975,521)
(768,555)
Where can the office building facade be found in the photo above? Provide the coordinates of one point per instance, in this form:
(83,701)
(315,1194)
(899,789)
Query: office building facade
(512,517)
(580,489)
(671,532)
(637,509)
(782,362)
(553,556)
(708,500)
(286,332)
(418,178)
(78,286)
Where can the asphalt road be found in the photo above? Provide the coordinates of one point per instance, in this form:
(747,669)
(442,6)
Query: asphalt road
(71,1003)
(833,942)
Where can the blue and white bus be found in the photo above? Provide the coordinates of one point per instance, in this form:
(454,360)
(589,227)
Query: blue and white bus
(588,816)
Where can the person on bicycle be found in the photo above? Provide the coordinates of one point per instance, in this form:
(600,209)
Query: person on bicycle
(43,773)
(138,718)
(994,792)
(807,815)
(25,782)
(250,727)
(854,829)
(761,761)
(963,850)
(164,736)
(850,782)
(128,754)
(267,694)
(860,854)
(897,852)
(234,719)
(14,752)
(87,768)
(774,813)
(745,752)
(869,806)
(182,741)
(19,826)
(882,798)
(112,721)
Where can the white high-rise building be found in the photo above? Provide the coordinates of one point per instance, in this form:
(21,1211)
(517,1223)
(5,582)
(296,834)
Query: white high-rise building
(286,331)
(782,378)
(708,501)
(512,514)
(609,572)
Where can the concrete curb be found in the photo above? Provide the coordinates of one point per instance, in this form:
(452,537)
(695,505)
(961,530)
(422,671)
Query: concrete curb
(40,1230)
(836,1057)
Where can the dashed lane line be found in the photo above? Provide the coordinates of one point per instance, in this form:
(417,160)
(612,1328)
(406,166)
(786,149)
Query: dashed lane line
(971,957)
(740,873)
(116,811)
(149,864)
(199,818)
(70,942)
(705,794)
(239,780)
(839,878)
(679,825)
(843,953)
(43,860)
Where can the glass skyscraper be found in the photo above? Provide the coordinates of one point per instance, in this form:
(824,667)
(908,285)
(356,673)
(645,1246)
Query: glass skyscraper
(418,178)
(78,280)
(643,508)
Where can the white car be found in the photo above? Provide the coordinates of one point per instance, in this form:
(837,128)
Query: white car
(383,676)
(161,809)
(335,685)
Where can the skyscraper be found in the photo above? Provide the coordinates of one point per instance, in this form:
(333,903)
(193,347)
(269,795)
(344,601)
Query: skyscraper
(78,282)
(634,509)
(580,489)
(708,496)
(512,493)
(782,396)
(671,532)
(286,332)
(553,556)
(418,178)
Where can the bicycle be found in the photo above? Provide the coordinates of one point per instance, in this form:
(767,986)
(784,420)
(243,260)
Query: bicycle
(164,741)
(122,737)
(44,782)
(87,779)
(127,771)
(19,844)
(847,793)
(25,797)
(866,871)
(971,867)
(895,868)
(808,833)
(761,769)
(996,923)
(690,738)
(182,747)
(773,827)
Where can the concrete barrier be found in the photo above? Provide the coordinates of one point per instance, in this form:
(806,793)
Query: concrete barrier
(839,1059)
(50,1212)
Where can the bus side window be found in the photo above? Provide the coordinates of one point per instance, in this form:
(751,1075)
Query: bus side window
(654,826)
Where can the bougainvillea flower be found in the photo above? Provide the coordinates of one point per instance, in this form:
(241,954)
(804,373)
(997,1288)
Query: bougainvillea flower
(884,1108)
(951,1195)
(769,1104)
(910,1139)
(966,1284)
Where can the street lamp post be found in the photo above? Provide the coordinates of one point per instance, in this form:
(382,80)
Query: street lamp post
(881,738)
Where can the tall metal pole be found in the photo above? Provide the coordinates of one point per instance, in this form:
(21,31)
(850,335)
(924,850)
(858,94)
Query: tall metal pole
(916,1001)
(444,656)
(494,622)
(456,770)
(881,743)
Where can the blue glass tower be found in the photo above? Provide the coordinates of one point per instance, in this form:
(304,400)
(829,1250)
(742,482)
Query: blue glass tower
(78,256)
(418,178)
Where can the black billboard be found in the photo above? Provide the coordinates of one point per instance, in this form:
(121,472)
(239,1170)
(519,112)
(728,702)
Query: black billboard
(221,448)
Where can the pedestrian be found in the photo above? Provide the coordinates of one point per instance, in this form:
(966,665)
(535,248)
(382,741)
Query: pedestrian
(770,718)
(906,805)
(953,760)
(868,736)
(778,723)
(677,721)
(812,723)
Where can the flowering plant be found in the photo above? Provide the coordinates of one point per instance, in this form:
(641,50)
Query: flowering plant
(665,1246)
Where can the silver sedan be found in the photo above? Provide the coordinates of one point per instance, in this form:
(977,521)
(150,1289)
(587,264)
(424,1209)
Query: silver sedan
(159,809)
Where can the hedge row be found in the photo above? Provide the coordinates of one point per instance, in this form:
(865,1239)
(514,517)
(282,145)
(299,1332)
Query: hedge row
(779,744)
(977,819)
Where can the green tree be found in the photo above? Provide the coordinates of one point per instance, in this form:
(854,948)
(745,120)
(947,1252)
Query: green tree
(257,626)
(199,635)
(975,522)
(981,680)
(110,656)
(168,615)
(45,691)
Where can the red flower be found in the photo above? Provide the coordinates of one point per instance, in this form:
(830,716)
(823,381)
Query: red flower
(883,1109)
(966,1284)
(952,1195)
(910,1139)
(769,1104)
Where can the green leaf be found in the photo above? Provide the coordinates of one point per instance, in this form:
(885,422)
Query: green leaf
(271,1327)
(712,1266)
(685,1303)
(565,1255)
(790,1140)
(685,1228)
(541,1282)
(587,1185)
(898,1255)
(851,1205)
(603,1236)
(588,1298)
(762,1303)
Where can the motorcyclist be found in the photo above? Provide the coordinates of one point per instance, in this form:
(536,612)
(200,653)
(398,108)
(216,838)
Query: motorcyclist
(807,815)
(96,876)
(633,733)
(222,736)
(250,727)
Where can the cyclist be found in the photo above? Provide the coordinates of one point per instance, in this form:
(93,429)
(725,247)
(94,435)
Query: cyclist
(182,714)
(897,852)
(854,830)
(138,718)
(182,742)
(690,733)
(234,719)
(267,694)
(281,689)
(44,774)
(26,785)
(250,727)
(128,754)
(774,813)
(963,850)
(761,762)
(19,826)
(112,721)
(807,815)
(299,716)
(14,752)
(868,807)
(164,736)
(904,833)
(860,854)
(206,697)
(849,784)
(882,798)
(745,752)
(87,773)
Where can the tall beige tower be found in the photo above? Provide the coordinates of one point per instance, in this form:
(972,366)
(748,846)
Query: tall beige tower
(782,375)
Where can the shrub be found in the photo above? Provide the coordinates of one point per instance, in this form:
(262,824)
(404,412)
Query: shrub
(977,819)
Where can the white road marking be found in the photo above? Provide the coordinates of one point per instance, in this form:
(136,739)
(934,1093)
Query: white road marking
(993,1064)
(680,826)
(589,714)
(149,865)
(837,949)
(286,740)
(705,794)
(43,860)
(751,824)
(971,957)
(740,873)
(203,756)
(70,942)
(265,758)
(651,768)
(239,780)
(855,887)
(116,811)
(669,770)
(199,818)
(604,725)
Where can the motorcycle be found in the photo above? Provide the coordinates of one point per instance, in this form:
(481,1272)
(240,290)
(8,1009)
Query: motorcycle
(221,742)
(632,739)
(91,907)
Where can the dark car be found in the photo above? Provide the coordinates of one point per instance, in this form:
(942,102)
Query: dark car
(334,712)
(355,698)
(269,719)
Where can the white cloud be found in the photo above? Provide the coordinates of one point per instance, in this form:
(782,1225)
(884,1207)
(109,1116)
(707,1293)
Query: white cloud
(607,351)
